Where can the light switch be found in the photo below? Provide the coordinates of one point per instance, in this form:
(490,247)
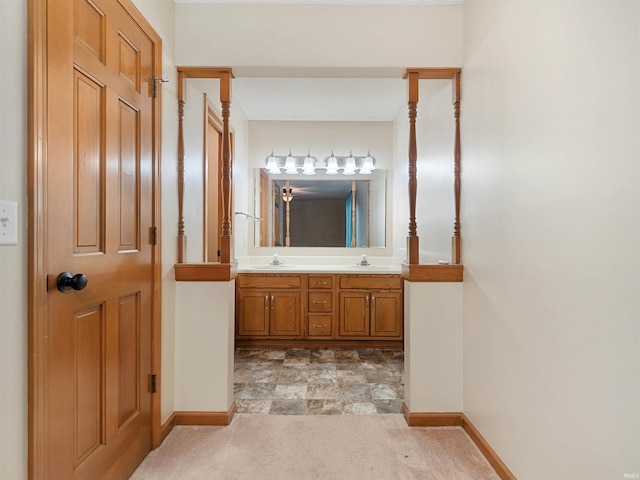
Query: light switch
(8,223)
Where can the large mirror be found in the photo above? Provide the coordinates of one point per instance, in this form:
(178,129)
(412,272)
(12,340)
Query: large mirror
(320,211)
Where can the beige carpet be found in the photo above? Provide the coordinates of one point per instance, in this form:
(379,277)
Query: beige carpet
(340,447)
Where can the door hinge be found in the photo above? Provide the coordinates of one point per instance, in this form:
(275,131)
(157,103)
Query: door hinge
(162,79)
(154,235)
(154,386)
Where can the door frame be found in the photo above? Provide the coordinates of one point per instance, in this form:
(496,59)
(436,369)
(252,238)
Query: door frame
(37,162)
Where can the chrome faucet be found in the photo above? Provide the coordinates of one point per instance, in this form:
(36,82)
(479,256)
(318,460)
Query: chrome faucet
(276,260)
(363,261)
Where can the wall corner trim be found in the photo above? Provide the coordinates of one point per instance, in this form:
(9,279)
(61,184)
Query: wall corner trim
(459,419)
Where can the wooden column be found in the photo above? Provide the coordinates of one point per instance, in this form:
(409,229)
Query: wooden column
(287,222)
(182,238)
(226,237)
(225,194)
(456,240)
(413,242)
(353,214)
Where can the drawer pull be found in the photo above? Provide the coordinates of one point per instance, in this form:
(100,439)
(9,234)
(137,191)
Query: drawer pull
(319,283)
(318,325)
(320,302)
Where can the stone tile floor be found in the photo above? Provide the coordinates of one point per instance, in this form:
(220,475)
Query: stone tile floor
(303,381)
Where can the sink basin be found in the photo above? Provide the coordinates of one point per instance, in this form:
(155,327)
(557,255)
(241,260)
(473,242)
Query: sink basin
(270,266)
(368,267)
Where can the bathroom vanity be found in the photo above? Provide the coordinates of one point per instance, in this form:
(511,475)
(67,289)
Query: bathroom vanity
(319,308)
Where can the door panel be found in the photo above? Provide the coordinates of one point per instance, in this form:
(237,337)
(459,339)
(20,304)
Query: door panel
(88,166)
(285,313)
(253,313)
(89,368)
(386,314)
(128,357)
(129,143)
(354,314)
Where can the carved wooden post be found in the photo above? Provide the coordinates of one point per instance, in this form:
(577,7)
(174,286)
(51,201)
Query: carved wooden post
(456,240)
(287,206)
(226,238)
(182,239)
(353,214)
(413,242)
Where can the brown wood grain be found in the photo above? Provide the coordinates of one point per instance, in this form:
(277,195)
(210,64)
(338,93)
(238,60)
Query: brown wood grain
(205,272)
(433,273)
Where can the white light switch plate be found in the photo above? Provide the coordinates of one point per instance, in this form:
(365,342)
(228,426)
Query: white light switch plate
(8,223)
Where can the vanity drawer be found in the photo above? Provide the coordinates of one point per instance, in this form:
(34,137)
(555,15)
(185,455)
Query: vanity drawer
(268,280)
(317,282)
(319,325)
(320,302)
(371,281)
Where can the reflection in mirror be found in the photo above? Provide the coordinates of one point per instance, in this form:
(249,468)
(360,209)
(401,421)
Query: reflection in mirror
(321,212)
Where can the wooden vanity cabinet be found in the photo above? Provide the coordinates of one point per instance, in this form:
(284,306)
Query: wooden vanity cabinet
(341,309)
(370,307)
(268,306)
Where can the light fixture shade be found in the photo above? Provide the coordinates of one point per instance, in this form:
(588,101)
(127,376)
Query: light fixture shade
(272,164)
(349,165)
(368,164)
(290,165)
(309,167)
(332,165)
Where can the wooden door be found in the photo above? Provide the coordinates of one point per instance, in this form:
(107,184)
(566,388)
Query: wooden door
(92,416)
(386,314)
(252,310)
(354,314)
(285,313)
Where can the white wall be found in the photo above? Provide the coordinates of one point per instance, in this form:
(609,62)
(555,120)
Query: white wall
(433,346)
(551,235)
(13,259)
(160,14)
(319,35)
(205,323)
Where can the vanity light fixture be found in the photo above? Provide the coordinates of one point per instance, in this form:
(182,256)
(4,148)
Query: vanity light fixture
(332,165)
(287,196)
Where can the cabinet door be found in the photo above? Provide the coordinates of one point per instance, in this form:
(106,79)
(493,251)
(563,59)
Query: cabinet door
(285,313)
(354,314)
(386,314)
(253,313)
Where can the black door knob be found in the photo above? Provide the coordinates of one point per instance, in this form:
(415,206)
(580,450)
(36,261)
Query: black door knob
(68,281)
